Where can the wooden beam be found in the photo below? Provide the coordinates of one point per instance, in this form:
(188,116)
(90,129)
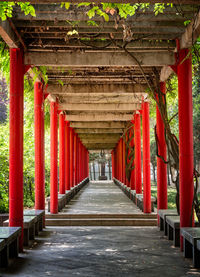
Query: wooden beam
(99,117)
(100,146)
(98,125)
(8,35)
(94,98)
(96,88)
(100,107)
(99,136)
(98,131)
(192,33)
(98,59)
(191,2)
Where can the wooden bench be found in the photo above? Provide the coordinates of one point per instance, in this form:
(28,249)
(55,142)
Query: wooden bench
(28,227)
(173,229)
(162,216)
(9,244)
(40,219)
(139,202)
(191,244)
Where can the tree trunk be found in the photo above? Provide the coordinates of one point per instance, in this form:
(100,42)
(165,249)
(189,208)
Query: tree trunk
(90,171)
(168,176)
(154,173)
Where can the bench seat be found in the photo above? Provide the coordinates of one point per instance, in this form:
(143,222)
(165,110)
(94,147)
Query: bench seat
(162,215)
(40,215)
(28,226)
(139,201)
(191,244)
(173,228)
(9,244)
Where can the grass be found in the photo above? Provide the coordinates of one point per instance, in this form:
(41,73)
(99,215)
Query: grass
(171,193)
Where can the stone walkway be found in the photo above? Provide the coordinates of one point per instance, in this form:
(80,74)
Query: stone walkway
(101,197)
(101,251)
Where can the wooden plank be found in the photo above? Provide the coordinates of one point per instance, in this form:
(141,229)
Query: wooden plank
(99,117)
(99,140)
(94,98)
(100,107)
(99,136)
(93,146)
(95,88)
(98,131)
(97,125)
(191,34)
(98,59)
(8,35)
(166,71)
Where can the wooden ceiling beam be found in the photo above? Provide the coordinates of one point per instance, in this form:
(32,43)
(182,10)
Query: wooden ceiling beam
(81,116)
(98,125)
(191,2)
(98,131)
(95,88)
(100,107)
(8,35)
(98,59)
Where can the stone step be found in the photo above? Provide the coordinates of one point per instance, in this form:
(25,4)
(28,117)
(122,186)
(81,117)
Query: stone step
(101,222)
(98,216)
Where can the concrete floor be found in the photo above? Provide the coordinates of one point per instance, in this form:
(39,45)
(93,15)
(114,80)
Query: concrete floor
(101,251)
(101,197)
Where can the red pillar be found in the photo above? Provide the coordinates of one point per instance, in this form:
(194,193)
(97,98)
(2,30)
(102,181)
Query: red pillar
(62,153)
(79,161)
(39,147)
(67,156)
(124,181)
(138,178)
(16,140)
(54,158)
(71,157)
(186,166)
(146,159)
(132,180)
(113,163)
(121,160)
(161,166)
(75,159)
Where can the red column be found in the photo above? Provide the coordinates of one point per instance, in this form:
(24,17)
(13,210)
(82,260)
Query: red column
(62,153)
(138,178)
(16,140)
(54,158)
(71,157)
(132,180)
(186,166)
(121,160)
(113,163)
(67,156)
(39,147)
(77,153)
(161,166)
(79,161)
(146,159)
(75,159)
(124,181)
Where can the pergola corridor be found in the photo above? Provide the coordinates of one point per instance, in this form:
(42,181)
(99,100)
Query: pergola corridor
(98,81)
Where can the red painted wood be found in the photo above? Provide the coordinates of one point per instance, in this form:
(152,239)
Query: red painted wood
(113,163)
(161,166)
(67,156)
(132,179)
(186,166)
(71,157)
(62,153)
(75,159)
(16,140)
(39,147)
(146,159)
(138,170)
(54,158)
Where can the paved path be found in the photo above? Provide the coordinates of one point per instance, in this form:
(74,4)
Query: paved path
(101,251)
(98,251)
(101,197)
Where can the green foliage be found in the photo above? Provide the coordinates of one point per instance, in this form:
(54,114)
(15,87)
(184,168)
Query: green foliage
(6,9)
